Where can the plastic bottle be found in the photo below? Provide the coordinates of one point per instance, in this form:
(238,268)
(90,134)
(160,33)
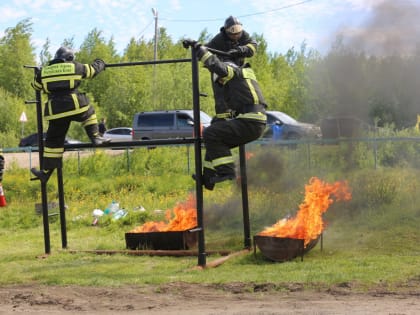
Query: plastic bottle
(112,207)
(119,214)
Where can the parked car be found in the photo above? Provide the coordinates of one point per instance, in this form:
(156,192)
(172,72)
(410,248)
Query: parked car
(166,124)
(281,126)
(32,140)
(119,134)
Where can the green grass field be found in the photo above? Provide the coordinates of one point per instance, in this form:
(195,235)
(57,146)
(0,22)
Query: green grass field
(370,240)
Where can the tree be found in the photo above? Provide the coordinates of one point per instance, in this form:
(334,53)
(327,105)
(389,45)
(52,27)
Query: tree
(16,51)
(45,55)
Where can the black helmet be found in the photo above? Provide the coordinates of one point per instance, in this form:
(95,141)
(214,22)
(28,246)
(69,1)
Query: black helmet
(232,25)
(65,54)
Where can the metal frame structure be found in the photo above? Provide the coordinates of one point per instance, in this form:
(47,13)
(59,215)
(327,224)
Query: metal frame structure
(198,162)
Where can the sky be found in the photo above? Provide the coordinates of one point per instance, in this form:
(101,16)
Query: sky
(283,23)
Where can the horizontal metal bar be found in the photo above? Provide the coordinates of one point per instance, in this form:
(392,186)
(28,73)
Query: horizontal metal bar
(219,52)
(128,144)
(142,63)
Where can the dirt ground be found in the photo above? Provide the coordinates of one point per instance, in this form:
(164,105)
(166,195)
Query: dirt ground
(189,299)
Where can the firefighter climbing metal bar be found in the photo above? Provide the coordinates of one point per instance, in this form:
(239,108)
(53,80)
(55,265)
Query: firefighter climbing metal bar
(197,149)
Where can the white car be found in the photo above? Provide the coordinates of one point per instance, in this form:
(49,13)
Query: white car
(119,134)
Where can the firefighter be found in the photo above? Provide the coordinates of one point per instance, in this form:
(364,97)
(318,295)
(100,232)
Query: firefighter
(1,166)
(60,80)
(238,45)
(245,103)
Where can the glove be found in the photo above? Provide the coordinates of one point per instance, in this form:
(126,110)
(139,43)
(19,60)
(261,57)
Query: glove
(234,53)
(190,43)
(100,65)
(201,50)
(242,50)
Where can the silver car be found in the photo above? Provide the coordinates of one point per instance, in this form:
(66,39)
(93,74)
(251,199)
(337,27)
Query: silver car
(166,124)
(119,134)
(281,126)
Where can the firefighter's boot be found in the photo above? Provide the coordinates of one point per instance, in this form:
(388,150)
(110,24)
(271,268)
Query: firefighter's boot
(223,172)
(43,176)
(221,178)
(93,134)
(208,174)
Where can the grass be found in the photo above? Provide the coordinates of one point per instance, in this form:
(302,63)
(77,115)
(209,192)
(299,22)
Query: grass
(370,241)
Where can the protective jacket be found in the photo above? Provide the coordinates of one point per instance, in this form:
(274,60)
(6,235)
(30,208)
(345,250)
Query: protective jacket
(60,81)
(241,91)
(246,45)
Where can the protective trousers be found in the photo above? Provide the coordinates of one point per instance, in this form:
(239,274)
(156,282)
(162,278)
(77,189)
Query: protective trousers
(56,135)
(219,138)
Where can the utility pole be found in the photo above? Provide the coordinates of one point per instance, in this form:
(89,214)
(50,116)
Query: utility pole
(155,14)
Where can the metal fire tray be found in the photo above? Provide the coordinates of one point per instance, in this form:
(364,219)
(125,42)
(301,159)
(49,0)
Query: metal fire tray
(281,249)
(171,240)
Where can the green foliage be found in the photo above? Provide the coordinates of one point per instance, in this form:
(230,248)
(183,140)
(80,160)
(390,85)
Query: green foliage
(11,107)
(16,51)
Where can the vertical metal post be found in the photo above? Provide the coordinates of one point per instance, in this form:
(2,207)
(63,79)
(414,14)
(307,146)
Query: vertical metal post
(78,163)
(127,150)
(245,205)
(198,163)
(44,198)
(62,207)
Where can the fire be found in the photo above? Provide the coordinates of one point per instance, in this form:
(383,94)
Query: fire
(185,218)
(249,155)
(308,223)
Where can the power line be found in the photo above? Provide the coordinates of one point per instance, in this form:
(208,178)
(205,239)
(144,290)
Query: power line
(147,26)
(241,16)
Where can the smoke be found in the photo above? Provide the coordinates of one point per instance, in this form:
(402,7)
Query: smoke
(373,70)
(392,29)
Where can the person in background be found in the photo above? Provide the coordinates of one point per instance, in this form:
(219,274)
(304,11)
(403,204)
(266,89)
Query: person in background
(243,97)
(238,45)
(102,126)
(1,166)
(60,80)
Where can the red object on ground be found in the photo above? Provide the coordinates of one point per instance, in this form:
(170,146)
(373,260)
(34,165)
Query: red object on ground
(2,197)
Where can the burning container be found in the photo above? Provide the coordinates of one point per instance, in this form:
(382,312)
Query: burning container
(179,233)
(281,249)
(170,240)
(294,236)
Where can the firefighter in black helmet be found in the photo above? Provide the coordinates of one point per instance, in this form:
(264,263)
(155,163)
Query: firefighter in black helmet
(60,80)
(244,98)
(235,41)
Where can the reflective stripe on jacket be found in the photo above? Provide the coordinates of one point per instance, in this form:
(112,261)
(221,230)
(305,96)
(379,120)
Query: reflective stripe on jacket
(60,81)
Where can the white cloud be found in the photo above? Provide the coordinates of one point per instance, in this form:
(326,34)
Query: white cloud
(9,13)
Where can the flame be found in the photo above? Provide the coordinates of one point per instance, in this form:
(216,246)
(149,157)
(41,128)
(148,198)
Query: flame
(185,218)
(249,155)
(308,223)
